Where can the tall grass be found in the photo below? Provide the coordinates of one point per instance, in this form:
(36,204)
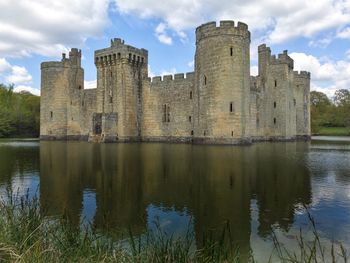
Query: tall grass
(28,236)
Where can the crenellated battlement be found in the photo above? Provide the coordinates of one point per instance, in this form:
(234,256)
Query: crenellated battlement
(302,74)
(226,27)
(173,78)
(74,59)
(282,58)
(118,52)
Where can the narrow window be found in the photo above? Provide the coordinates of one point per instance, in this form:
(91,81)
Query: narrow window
(114,56)
(231,51)
(190,95)
(164,113)
(257,123)
(111,74)
(191,132)
(51,115)
(109,57)
(204,133)
(274,104)
(274,120)
(295,102)
(134,57)
(231,107)
(110,99)
(205,80)
(168,114)
(275,83)
(79,87)
(119,55)
(189,118)
(232,133)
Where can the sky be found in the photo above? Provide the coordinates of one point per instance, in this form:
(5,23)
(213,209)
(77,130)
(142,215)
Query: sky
(316,34)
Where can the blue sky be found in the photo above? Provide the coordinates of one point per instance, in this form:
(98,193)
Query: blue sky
(316,34)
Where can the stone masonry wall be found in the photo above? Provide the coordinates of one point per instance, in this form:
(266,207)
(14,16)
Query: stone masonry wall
(168,105)
(218,103)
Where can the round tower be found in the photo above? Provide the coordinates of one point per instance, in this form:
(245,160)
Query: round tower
(222,82)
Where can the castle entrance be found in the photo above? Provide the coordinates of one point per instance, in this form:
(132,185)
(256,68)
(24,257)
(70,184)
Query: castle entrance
(97,123)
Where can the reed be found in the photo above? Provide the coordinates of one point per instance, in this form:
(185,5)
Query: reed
(28,236)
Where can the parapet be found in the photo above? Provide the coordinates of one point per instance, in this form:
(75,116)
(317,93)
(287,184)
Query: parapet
(302,74)
(282,58)
(177,77)
(119,51)
(73,60)
(226,27)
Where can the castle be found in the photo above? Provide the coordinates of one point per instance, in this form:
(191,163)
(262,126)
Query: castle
(218,103)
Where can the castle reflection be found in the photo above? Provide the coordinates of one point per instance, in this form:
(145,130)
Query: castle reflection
(178,184)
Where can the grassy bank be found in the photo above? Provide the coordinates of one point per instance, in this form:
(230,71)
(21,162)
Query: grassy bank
(27,236)
(333,131)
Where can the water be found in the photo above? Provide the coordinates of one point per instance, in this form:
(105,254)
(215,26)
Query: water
(257,189)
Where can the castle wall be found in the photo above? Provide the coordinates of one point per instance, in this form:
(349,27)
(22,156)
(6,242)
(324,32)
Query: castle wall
(218,103)
(168,108)
(302,101)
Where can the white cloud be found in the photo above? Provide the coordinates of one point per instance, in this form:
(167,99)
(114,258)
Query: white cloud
(326,75)
(344,33)
(13,74)
(19,75)
(172,71)
(90,84)
(49,27)
(27,88)
(4,65)
(322,43)
(162,34)
(254,70)
(280,21)
(191,64)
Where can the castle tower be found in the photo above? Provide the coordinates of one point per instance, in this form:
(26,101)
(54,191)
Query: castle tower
(222,82)
(61,85)
(121,70)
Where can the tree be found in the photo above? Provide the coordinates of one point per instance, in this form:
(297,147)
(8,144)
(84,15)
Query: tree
(342,98)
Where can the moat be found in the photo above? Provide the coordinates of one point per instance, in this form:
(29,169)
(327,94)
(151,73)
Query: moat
(258,189)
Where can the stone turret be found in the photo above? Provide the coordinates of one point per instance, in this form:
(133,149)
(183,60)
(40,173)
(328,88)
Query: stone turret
(121,70)
(222,82)
(61,85)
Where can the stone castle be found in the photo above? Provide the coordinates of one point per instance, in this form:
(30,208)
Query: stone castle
(218,103)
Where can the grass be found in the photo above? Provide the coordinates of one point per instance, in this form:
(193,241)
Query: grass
(334,131)
(27,236)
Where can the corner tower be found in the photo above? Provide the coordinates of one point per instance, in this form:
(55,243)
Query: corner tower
(61,85)
(222,82)
(121,70)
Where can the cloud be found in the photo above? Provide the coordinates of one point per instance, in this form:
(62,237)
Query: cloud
(172,71)
(19,75)
(30,89)
(279,21)
(162,34)
(90,84)
(13,74)
(254,70)
(326,75)
(49,27)
(4,65)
